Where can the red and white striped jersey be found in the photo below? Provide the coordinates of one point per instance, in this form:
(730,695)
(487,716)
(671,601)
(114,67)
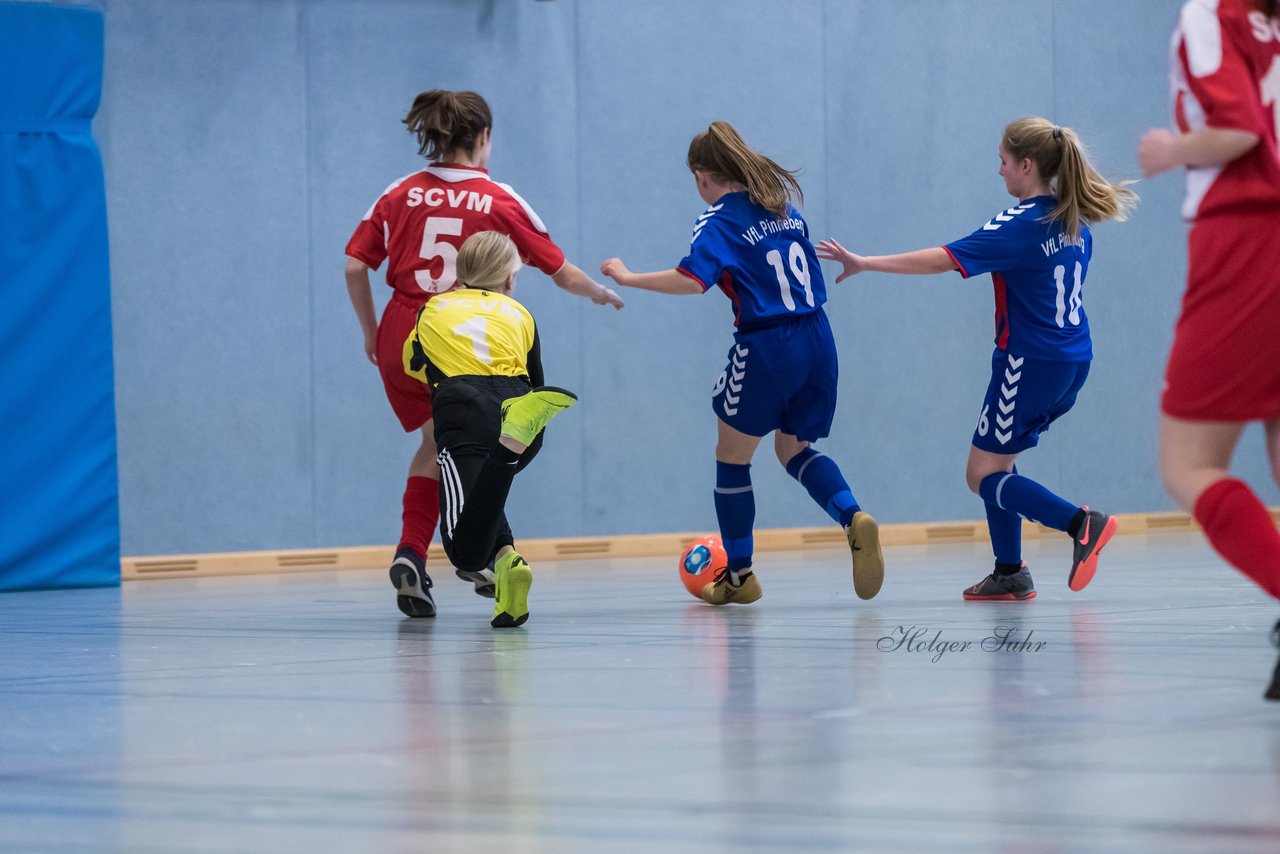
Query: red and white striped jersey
(1226,74)
(420,222)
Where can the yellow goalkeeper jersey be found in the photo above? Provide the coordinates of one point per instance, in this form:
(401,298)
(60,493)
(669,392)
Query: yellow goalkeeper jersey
(470,332)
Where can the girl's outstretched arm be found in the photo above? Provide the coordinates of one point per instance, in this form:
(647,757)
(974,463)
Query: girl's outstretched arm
(1160,150)
(664,281)
(921,262)
(573,279)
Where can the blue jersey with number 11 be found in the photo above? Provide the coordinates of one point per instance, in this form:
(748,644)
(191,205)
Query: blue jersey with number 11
(1038,273)
(765,264)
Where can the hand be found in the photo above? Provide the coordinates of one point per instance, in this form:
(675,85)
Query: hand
(830,250)
(607,297)
(615,269)
(371,347)
(1157,152)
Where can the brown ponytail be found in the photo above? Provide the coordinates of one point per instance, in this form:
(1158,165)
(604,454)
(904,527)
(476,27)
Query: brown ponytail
(720,151)
(1084,196)
(446,122)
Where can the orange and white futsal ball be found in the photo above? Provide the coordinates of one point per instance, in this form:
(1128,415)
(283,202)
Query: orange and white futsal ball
(700,562)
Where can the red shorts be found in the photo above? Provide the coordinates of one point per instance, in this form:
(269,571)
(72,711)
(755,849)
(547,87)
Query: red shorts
(1225,361)
(409,396)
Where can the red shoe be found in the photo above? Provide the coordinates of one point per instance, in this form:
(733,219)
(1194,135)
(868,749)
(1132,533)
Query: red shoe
(1096,529)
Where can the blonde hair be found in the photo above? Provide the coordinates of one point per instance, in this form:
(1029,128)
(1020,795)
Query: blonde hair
(1084,196)
(486,260)
(720,151)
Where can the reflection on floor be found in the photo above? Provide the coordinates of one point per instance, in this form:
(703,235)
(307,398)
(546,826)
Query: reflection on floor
(304,713)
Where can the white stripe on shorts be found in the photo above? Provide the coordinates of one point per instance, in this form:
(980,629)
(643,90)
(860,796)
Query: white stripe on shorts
(452,490)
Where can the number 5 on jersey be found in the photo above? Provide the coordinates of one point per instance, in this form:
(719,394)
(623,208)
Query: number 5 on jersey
(433,247)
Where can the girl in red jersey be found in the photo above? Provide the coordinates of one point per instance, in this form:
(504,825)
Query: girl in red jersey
(417,225)
(1224,367)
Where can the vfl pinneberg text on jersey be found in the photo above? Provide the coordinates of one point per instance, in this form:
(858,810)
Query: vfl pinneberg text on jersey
(1062,241)
(771,226)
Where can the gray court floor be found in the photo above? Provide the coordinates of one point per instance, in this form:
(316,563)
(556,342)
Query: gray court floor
(302,713)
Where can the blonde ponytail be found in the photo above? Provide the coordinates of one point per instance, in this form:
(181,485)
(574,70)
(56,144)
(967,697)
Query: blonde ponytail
(1084,196)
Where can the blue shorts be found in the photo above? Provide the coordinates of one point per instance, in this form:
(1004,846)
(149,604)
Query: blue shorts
(1024,397)
(781,378)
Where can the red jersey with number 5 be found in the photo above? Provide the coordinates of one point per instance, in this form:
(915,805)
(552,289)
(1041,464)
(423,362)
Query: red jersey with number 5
(1226,74)
(420,222)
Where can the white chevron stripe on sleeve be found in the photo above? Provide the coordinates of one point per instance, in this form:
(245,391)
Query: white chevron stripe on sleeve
(1007,216)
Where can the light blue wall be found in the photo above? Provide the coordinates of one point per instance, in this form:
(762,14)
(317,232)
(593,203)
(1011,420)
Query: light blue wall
(243,140)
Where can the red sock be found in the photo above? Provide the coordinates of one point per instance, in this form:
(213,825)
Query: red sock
(421,513)
(1241,530)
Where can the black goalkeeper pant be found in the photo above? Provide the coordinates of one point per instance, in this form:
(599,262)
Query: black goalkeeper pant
(475,471)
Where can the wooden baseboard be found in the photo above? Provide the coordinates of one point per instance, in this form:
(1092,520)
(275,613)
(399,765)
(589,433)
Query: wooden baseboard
(634,545)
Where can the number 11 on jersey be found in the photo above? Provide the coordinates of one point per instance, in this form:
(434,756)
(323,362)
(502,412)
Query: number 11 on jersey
(1062,315)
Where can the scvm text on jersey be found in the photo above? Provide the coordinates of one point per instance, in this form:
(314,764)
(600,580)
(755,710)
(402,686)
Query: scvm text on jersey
(437,196)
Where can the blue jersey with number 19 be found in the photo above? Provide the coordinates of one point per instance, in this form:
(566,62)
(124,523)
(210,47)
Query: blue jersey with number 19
(1038,272)
(765,264)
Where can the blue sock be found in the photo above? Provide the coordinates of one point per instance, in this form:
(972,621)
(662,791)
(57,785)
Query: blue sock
(1022,495)
(820,475)
(1006,534)
(736,510)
